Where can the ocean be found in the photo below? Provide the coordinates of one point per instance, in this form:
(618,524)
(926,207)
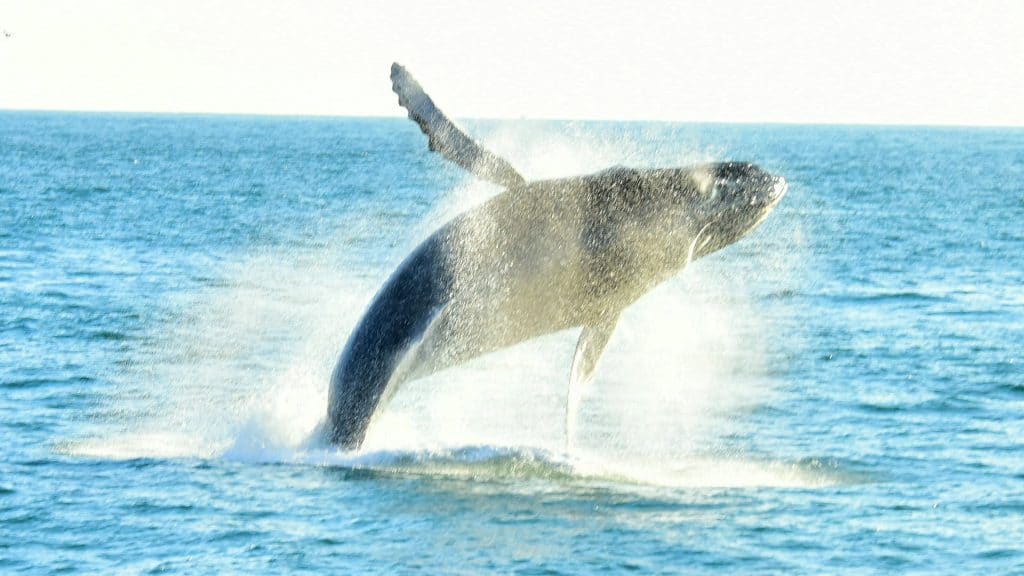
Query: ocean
(842,391)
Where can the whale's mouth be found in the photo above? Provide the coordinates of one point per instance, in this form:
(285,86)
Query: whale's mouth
(698,243)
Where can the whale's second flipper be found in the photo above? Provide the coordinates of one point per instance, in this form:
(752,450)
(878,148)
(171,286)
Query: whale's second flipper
(447,138)
(591,345)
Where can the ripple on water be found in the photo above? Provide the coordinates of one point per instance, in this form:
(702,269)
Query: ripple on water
(31,383)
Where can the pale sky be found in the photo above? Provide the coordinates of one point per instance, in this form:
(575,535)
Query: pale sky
(878,62)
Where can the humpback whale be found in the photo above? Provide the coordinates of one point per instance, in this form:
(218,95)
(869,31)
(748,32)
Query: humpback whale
(539,257)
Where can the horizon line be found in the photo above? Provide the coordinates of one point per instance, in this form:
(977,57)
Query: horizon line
(521,118)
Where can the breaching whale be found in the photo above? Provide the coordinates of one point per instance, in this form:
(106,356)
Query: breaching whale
(539,257)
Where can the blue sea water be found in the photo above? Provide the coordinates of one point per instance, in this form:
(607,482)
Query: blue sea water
(840,392)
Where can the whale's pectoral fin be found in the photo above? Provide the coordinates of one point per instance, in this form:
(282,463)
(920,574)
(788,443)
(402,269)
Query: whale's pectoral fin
(447,138)
(593,340)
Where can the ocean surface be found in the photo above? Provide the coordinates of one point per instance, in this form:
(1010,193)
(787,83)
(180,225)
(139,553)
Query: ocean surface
(840,392)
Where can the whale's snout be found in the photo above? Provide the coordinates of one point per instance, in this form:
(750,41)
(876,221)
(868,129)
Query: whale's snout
(740,197)
(744,187)
(779,187)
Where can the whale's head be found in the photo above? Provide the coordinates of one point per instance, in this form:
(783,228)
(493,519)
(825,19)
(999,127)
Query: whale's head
(725,201)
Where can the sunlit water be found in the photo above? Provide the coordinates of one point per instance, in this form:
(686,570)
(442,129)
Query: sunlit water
(843,390)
